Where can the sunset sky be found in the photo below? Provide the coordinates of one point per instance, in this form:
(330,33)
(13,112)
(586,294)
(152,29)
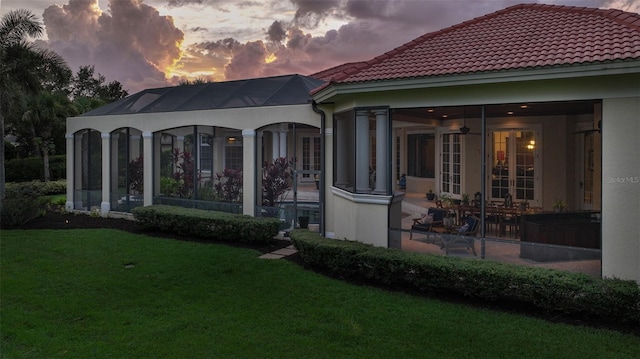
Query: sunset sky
(155,43)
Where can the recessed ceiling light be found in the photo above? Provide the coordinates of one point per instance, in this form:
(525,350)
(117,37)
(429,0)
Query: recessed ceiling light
(445,116)
(524,106)
(430,110)
(510,113)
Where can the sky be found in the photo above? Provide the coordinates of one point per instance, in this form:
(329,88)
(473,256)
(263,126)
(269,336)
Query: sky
(156,43)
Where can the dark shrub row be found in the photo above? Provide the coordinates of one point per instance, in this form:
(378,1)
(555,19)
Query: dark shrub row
(35,188)
(32,168)
(23,201)
(207,224)
(555,291)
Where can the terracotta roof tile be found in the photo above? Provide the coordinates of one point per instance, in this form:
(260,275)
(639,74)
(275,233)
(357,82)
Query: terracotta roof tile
(518,37)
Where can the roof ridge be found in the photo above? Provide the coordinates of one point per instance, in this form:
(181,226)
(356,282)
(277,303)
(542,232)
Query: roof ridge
(629,19)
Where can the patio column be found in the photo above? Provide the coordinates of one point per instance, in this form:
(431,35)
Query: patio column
(147,166)
(362,151)
(382,139)
(105,205)
(218,152)
(283,143)
(70,169)
(342,143)
(275,144)
(249,172)
(134,147)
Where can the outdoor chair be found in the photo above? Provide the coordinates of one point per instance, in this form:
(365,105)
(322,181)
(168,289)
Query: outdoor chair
(433,218)
(464,237)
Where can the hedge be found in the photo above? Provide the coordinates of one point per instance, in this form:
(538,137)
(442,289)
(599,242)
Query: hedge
(551,290)
(213,225)
(35,188)
(32,168)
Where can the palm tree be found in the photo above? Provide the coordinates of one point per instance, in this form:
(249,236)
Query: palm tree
(44,116)
(23,68)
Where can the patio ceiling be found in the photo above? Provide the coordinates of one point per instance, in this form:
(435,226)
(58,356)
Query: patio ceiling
(434,115)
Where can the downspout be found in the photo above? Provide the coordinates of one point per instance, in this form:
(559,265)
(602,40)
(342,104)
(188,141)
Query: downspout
(323,164)
(483,182)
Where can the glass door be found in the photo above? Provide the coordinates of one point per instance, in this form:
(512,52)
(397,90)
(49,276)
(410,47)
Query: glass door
(310,157)
(514,165)
(586,171)
(451,164)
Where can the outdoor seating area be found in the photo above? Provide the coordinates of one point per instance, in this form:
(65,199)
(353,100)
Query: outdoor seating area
(502,241)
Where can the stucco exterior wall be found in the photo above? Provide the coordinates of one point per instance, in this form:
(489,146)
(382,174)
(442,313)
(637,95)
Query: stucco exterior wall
(249,118)
(621,188)
(361,217)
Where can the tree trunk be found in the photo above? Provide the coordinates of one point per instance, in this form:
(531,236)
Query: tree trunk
(2,176)
(45,161)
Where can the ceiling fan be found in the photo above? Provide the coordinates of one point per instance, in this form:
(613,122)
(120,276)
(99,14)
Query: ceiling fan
(591,130)
(464,130)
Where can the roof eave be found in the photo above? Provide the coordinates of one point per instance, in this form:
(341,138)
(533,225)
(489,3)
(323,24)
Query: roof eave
(329,93)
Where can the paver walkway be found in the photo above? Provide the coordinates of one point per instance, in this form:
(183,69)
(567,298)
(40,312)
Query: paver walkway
(280,253)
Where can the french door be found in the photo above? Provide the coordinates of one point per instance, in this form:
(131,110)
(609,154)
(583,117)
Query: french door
(451,164)
(514,165)
(310,151)
(586,170)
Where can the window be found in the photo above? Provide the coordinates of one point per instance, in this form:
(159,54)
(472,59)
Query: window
(362,151)
(233,153)
(421,155)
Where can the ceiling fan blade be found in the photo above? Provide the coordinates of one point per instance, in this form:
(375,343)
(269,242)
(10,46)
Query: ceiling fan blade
(586,131)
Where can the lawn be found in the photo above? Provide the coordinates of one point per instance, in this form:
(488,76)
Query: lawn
(111,294)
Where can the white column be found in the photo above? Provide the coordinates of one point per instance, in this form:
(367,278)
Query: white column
(134,147)
(283,144)
(342,164)
(218,152)
(275,144)
(362,151)
(147,165)
(70,171)
(105,205)
(248,172)
(259,147)
(382,135)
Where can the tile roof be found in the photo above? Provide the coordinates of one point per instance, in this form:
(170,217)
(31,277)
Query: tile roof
(518,37)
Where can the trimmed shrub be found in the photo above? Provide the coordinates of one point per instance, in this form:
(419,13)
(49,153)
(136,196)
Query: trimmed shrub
(207,224)
(37,188)
(23,201)
(551,290)
(32,168)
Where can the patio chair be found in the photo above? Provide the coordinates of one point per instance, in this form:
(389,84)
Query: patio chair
(464,238)
(421,225)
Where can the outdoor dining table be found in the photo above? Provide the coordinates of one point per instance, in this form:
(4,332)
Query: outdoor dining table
(498,214)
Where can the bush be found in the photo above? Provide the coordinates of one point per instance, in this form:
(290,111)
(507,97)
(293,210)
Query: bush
(32,168)
(207,224)
(553,291)
(24,201)
(36,188)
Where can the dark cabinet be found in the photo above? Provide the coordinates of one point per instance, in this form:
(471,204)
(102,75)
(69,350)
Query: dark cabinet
(577,232)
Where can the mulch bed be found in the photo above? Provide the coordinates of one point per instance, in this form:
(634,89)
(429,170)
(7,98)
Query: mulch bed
(57,220)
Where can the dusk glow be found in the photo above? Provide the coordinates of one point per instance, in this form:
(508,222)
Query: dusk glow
(156,43)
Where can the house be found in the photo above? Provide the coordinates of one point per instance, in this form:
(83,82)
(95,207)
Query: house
(536,102)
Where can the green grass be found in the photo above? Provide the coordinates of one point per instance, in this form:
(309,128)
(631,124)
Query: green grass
(69,294)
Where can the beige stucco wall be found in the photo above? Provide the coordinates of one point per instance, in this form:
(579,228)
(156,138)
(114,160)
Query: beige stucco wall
(621,188)
(362,217)
(249,118)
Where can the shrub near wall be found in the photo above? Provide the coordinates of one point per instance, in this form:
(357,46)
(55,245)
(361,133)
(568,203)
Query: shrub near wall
(553,291)
(29,169)
(207,224)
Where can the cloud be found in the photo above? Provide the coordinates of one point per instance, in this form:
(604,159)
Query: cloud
(132,44)
(276,32)
(309,13)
